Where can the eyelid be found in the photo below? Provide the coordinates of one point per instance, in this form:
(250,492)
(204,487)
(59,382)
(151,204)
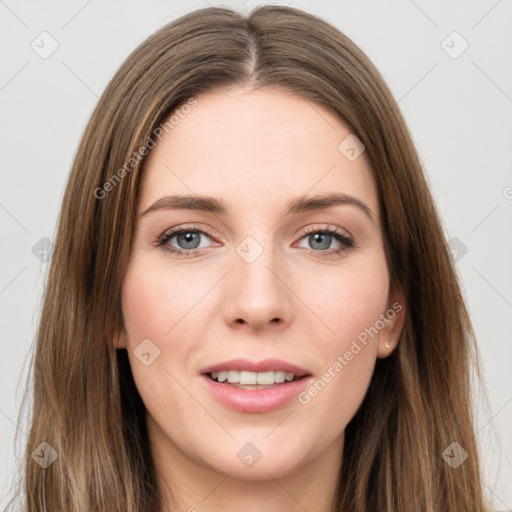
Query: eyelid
(162,241)
(188,227)
(303,231)
(345,239)
(324,227)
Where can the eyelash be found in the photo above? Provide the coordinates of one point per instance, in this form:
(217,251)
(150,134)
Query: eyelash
(162,241)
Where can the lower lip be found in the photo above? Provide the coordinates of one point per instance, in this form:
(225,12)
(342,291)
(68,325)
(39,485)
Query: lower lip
(255,400)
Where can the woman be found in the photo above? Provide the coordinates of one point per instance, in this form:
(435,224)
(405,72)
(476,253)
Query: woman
(251,304)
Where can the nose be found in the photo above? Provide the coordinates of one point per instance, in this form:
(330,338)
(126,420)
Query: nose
(257,293)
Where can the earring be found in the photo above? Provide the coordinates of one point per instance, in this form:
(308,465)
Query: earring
(387,345)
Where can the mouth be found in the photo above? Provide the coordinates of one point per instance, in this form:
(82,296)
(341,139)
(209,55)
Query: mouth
(254,380)
(255,387)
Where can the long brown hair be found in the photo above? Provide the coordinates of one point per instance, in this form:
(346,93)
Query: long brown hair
(86,406)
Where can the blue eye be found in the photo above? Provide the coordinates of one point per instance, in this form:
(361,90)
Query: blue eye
(322,240)
(189,241)
(183,240)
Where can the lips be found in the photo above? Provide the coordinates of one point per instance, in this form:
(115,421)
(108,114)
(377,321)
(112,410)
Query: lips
(255,386)
(267,365)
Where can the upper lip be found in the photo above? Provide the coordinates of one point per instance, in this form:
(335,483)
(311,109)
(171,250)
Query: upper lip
(265,365)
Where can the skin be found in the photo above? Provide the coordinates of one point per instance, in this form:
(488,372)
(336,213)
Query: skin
(256,150)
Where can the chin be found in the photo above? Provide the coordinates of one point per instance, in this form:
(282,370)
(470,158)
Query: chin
(264,469)
(258,456)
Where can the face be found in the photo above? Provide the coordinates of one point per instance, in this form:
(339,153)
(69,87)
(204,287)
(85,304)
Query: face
(258,258)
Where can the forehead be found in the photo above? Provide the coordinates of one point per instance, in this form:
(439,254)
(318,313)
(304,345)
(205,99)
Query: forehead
(256,145)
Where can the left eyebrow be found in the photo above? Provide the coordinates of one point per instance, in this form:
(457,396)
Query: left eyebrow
(298,205)
(317,203)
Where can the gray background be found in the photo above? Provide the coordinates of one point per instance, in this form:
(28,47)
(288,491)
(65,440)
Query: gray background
(457,106)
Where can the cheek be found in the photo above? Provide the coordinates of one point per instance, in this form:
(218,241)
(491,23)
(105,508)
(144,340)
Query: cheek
(350,305)
(154,302)
(348,300)
(155,306)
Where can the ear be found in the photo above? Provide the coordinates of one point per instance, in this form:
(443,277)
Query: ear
(393,319)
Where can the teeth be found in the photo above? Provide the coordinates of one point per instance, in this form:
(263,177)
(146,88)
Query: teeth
(247,378)
(233,376)
(281,376)
(250,378)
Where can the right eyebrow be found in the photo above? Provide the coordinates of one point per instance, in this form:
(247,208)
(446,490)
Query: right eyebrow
(203,203)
